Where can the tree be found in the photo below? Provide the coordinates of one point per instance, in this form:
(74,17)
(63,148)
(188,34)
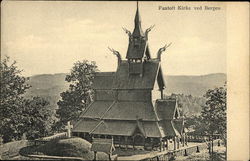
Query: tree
(79,94)
(212,120)
(213,113)
(36,118)
(19,115)
(13,86)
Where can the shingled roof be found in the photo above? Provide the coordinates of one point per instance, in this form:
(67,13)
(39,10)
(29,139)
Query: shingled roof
(166,108)
(102,145)
(96,109)
(123,80)
(85,125)
(103,80)
(179,125)
(169,128)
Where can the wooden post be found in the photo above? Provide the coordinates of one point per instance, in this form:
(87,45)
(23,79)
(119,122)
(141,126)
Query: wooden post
(160,144)
(167,144)
(174,143)
(178,142)
(161,94)
(95,155)
(163,145)
(120,142)
(152,143)
(184,140)
(134,143)
(126,142)
(197,149)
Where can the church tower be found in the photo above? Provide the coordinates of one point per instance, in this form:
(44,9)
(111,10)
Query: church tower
(137,51)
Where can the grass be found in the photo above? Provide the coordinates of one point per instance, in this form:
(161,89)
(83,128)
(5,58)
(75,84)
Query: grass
(72,147)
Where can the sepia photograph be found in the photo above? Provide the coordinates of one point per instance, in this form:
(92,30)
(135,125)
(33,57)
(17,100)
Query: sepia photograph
(110,80)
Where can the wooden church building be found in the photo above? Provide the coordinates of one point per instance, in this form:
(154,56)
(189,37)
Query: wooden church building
(129,106)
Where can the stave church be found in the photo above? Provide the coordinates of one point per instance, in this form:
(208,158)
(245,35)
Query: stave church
(129,104)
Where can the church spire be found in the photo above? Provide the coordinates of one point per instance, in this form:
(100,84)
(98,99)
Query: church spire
(137,30)
(137,47)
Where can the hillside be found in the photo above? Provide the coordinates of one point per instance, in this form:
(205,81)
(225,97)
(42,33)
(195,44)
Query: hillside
(194,85)
(50,86)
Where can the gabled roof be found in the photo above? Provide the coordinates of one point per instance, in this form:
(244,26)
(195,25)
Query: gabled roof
(115,127)
(125,128)
(123,80)
(179,125)
(96,109)
(85,125)
(166,108)
(102,145)
(128,110)
(103,80)
(168,128)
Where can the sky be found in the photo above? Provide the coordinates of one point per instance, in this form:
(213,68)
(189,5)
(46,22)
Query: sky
(48,37)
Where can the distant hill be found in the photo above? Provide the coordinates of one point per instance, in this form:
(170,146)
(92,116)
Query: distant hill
(194,85)
(50,86)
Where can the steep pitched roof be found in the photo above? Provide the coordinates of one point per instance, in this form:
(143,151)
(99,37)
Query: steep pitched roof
(131,111)
(168,128)
(85,125)
(166,108)
(102,145)
(127,128)
(125,81)
(179,125)
(96,109)
(115,127)
(137,30)
(103,80)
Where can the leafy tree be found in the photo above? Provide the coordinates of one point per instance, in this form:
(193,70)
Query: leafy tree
(36,118)
(12,87)
(79,94)
(212,120)
(19,115)
(214,112)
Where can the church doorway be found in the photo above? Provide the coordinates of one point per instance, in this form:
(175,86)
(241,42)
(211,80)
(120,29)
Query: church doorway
(139,140)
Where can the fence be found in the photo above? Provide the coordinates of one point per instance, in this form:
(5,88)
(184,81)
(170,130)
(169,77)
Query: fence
(201,138)
(165,156)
